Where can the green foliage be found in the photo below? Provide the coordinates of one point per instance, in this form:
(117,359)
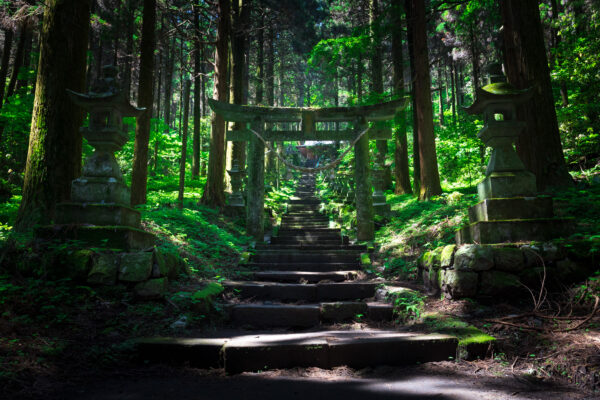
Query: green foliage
(408,304)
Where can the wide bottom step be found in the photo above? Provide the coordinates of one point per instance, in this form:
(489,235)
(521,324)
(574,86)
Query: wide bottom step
(323,349)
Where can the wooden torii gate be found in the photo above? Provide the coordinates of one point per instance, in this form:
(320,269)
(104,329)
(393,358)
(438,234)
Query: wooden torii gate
(301,124)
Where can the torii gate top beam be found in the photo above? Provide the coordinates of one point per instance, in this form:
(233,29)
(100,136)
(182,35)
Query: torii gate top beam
(308,117)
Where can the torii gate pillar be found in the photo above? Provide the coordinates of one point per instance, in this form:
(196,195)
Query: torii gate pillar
(365,229)
(256,187)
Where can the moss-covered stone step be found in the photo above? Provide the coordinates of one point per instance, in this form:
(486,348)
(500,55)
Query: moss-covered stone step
(97,214)
(113,237)
(326,239)
(302,292)
(312,246)
(351,257)
(297,266)
(323,349)
(304,276)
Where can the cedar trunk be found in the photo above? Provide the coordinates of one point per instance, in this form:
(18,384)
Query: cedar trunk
(139,174)
(184,138)
(8,40)
(539,145)
(238,49)
(197,96)
(214,194)
(54,155)
(401,172)
(430,178)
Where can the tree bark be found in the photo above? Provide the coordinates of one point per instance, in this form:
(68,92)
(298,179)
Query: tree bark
(23,81)
(17,63)
(214,194)
(430,179)
(539,145)
(139,174)
(377,68)
(184,139)
(197,97)
(8,40)
(240,11)
(410,21)
(260,61)
(401,171)
(54,155)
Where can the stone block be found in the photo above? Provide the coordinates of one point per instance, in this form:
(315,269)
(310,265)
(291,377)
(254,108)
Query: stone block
(342,310)
(136,267)
(78,264)
(497,282)
(459,284)
(532,255)
(99,190)
(431,280)
(514,208)
(509,259)
(104,270)
(502,185)
(113,237)
(473,257)
(97,214)
(488,232)
(447,256)
(151,289)
(463,235)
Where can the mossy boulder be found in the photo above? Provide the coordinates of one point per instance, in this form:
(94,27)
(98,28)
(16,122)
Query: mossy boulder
(136,267)
(509,259)
(104,270)
(151,289)
(474,257)
(447,256)
(459,284)
(431,280)
(79,264)
(497,282)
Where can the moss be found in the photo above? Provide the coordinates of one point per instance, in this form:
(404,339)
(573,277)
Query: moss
(365,260)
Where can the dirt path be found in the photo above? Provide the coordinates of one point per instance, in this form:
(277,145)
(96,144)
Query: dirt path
(440,381)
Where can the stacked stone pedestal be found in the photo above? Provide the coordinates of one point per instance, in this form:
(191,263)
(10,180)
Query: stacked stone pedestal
(517,219)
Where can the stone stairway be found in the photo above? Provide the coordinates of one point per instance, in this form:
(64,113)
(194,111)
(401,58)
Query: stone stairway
(307,284)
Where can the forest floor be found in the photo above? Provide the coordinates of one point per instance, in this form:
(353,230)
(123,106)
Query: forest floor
(59,340)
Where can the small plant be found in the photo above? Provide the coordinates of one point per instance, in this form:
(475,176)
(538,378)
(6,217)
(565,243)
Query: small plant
(408,304)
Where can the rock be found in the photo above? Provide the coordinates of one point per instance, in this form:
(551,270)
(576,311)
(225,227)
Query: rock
(473,257)
(496,282)
(532,256)
(76,265)
(431,258)
(447,256)
(509,259)
(181,323)
(381,294)
(153,288)
(569,271)
(135,267)
(458,284)
(104,270)
(431,280)
(551,252)
(160,267)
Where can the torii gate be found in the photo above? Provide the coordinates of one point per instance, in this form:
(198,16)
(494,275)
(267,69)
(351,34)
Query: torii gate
(304,120)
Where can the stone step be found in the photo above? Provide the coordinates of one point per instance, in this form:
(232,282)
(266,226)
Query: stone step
(308,315)
(302,292)
(348,256)
(307,276)
(322,349)
(309,201)
(308,267)
(328,240)
(312,246)
(305,218)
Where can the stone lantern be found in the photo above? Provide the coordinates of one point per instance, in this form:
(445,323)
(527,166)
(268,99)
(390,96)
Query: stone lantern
(380,207)
(509,210)
(99,211)
(237,178)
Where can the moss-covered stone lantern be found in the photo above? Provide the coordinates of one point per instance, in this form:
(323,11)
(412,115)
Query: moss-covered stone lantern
(236,199)
(509,209)
(99,211)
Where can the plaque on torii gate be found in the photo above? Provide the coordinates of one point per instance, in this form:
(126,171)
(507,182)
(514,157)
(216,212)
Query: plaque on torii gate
(301,124)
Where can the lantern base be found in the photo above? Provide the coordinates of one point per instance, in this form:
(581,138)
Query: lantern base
(501,185)
(97,214)
(489,232)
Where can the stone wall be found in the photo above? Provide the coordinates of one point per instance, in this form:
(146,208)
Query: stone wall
(475,270)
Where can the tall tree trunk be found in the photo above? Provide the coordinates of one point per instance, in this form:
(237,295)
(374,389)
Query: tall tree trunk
(260,61)
(453,93)
(241,15)
(54,155)
(197,96)
(359,79)
(129,46)
(8,40)
(401,171)
(270,71)
(214,194)
(410,21)
(18,62)
(441,98)
(430,178)
(556,9)
(539,145)
(474,59)
(169,65)
(23,81)
(139,173)
(184,138)
(377,67)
